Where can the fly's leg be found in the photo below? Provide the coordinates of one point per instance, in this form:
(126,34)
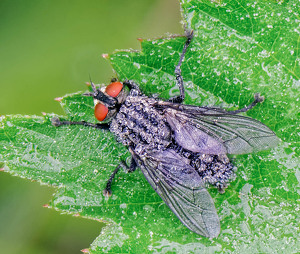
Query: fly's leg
(56,122)
(131,85)
(131,168)
(257,99)
(179,80)
(107,191)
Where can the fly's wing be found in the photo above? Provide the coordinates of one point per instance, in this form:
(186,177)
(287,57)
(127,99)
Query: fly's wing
(216,131)
(182,189)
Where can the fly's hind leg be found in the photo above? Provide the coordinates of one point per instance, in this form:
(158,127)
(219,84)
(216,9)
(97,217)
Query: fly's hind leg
(179,80)
(257,99)
(131,168)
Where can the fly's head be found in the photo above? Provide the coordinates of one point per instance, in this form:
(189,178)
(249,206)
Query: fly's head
(107,100)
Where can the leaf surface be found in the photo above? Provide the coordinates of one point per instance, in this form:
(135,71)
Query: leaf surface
(239,48)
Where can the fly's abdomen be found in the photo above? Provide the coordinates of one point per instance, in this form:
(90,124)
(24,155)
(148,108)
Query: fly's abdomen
(139,125)
(213,169)
(216,170)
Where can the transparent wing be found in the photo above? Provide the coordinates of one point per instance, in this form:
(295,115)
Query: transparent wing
(216,131)
(182,189)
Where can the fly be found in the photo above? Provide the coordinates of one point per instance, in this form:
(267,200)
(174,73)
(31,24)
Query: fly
(179,148)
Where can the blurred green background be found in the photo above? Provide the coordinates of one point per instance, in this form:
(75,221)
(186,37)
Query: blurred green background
(49,48)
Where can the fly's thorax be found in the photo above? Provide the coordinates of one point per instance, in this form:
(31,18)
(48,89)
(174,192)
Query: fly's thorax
(139,125)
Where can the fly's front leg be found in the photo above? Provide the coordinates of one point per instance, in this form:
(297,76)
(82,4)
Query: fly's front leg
(179,80)
(56,122)
(107,191)
(131,168)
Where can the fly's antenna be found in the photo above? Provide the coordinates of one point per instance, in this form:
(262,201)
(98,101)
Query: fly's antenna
(93,85)
(94,93)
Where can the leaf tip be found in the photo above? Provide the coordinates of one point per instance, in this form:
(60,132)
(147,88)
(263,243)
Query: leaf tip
(106,56)
(1,169)
(85,251)
(140,39)
(59,99)
(76,215)
(46,205)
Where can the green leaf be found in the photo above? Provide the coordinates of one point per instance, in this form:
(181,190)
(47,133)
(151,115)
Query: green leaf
(240,48)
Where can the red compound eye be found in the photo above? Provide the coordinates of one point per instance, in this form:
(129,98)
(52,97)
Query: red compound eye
(114,88)
(100,111)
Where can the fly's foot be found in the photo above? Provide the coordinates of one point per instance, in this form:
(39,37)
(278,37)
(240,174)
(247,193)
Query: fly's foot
(258,98)
(56,122)
(189,34)
(221,187)
(107,192)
